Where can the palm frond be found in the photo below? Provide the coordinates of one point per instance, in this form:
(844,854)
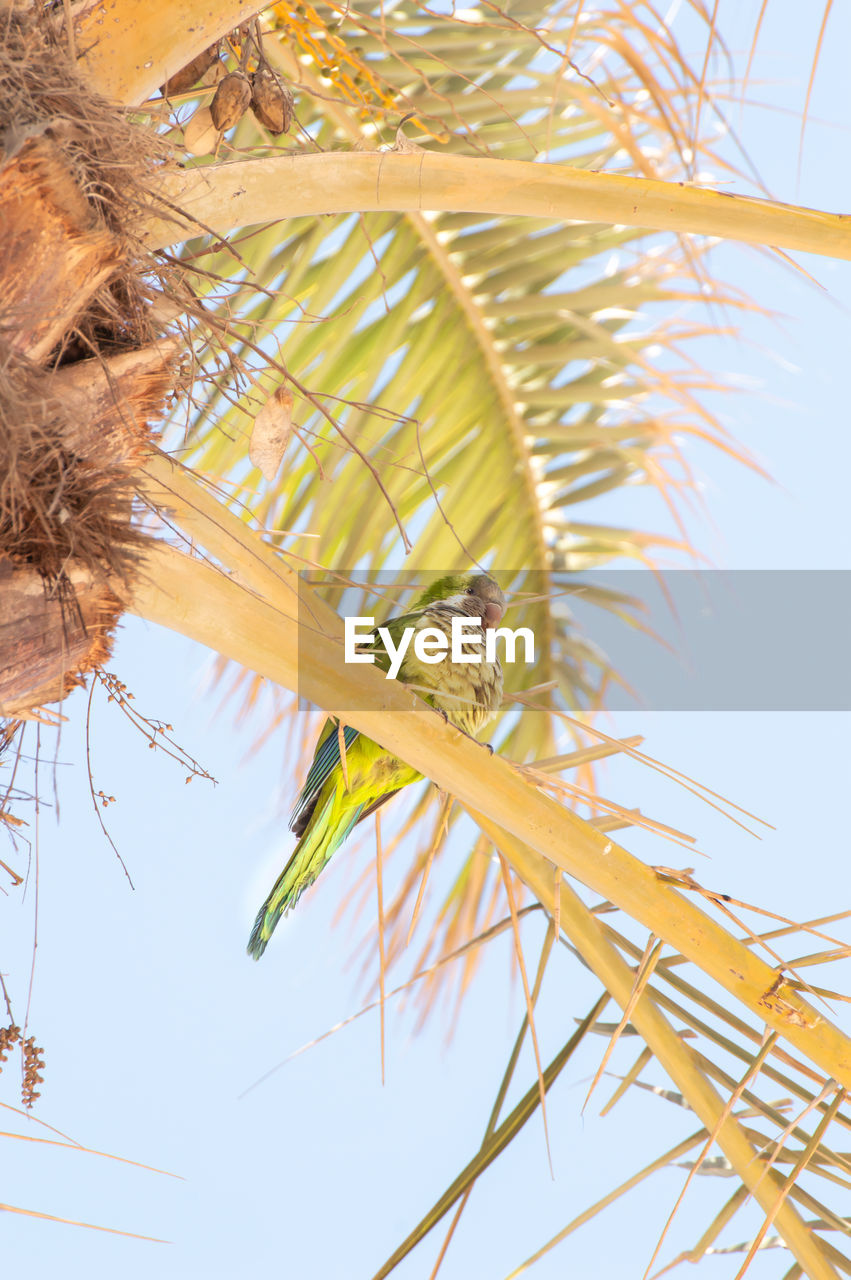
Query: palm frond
(494,375)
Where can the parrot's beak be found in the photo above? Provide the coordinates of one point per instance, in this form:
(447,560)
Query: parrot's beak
(493,614)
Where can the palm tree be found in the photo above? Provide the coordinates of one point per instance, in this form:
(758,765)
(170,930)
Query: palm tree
(465,350)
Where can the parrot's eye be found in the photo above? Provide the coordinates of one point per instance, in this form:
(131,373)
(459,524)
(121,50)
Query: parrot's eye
(470,591)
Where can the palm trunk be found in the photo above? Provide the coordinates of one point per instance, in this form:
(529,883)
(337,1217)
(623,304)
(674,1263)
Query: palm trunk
(77,391)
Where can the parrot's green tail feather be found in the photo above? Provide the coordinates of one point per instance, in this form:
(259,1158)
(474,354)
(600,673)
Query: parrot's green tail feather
(319,842)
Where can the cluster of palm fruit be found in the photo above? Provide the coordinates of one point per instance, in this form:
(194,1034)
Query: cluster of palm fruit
(253,85)
(33,1056)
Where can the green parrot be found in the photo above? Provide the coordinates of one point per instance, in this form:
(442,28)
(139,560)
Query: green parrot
(468,694)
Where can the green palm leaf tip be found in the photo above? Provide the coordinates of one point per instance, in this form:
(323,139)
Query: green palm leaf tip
(327,809)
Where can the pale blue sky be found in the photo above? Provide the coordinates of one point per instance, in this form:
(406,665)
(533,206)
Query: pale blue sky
(154,1020)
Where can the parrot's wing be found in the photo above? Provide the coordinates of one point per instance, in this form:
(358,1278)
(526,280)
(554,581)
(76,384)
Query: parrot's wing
(401,621)
(325,760)
(376,804)
(396,626)
(327,755)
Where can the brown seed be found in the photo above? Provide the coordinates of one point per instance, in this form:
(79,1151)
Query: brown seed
(271,100)
(231,100)
(191,73)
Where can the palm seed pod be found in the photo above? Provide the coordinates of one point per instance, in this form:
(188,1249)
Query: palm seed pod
(200,136)
(231,100)
(271,100)
(191,73)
